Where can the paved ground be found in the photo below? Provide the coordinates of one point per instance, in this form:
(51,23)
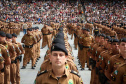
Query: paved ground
(28,75)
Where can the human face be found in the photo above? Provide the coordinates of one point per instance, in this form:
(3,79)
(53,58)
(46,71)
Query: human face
(122,47)
(9,40)
(97,39)
(14,38)
(101,39)
(109,45)
(115,46)
(58,58)
(2,39)
(28,32)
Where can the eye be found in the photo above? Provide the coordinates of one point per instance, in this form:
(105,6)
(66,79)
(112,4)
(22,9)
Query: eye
(54,54)
(61,55)
(123,44)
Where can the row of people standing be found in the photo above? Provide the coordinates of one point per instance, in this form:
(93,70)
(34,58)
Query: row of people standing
(31,42)
(11,55)
(105,55)
(58,59)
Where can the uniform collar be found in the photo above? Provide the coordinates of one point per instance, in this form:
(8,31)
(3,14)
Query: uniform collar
(66,73)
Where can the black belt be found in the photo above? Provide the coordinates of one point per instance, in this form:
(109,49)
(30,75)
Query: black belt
(19,58)
(112,36)
(75,35)
(85,46)
(30,46)
(47,34)
(38,40)
(2,70)
(13,61)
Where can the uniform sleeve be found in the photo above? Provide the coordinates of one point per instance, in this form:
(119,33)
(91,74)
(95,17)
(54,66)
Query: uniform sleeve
(23,39)
(21,48)
(37,80)
(92,40)
(5,54)
(40,35)
(80,81)
(102,62)
(1,60)
(34,39)
(109,68)
(17,50)
(117,76)
(12,50)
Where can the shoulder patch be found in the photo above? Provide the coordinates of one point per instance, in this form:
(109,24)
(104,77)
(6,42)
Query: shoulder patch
(42,72)
(74,72)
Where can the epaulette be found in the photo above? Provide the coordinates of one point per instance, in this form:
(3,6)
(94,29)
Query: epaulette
(2,45)
(42,72)
(74,72)
(124,64)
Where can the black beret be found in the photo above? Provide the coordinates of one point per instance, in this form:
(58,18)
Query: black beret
(115,40)
(124,27)
(58,40)
(2,34)
(88,30)
(123,40)
(60,29)
(29,29)
(14,35)
(9,36)
(59,47)
(83,28)
(110,40)
(103,35)
(108,37)
(60,35)
(37,27)
(33,28)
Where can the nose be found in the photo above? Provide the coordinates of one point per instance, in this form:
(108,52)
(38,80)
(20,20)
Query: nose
(125,45)
(116,45)
(58,56)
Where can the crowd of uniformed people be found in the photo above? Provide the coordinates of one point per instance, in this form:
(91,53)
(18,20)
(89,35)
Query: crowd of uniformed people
(101,42)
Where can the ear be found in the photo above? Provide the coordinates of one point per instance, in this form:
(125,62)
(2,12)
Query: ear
(50,56)
(66,56)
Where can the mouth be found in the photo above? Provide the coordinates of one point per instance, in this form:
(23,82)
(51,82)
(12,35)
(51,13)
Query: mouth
(57,62)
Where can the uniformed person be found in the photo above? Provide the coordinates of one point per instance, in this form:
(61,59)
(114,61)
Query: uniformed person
(29,41)
(58,73)
(87,41)
(119,75)
(19,57)
(92,61)
(4,61)
(40,37)
(116,60)
(13,59)
(46,36)
(105,56)
(11,51)
(47,65)
(1,69)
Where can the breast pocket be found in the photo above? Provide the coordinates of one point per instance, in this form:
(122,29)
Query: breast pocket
(124,78)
